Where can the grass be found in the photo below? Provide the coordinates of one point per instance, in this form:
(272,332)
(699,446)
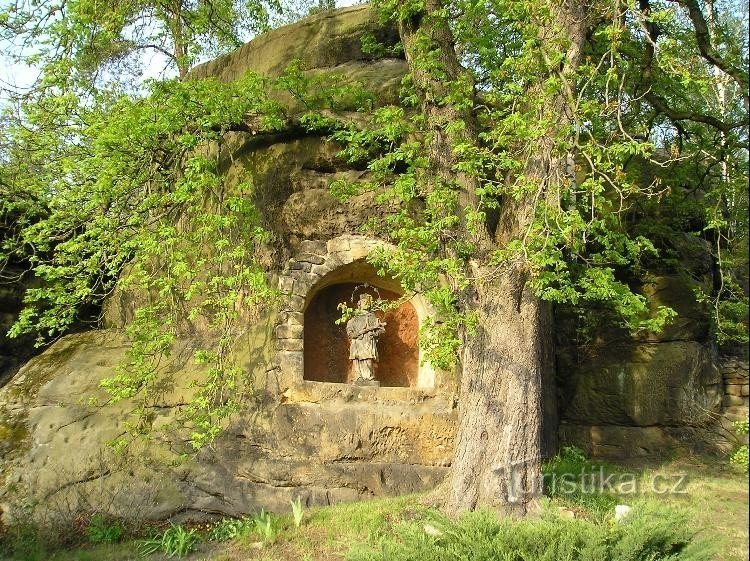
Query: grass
(717,501)
(713,498)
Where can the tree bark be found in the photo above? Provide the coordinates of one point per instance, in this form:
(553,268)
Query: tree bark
(497,452)
(498,446)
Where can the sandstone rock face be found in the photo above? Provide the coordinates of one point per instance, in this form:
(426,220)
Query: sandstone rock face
(650,395)
(672,383)
(322,442)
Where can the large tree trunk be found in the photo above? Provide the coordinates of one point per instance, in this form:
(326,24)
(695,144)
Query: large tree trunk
(498,446)
(499,442)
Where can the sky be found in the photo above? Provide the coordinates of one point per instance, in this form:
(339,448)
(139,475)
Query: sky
(19,76)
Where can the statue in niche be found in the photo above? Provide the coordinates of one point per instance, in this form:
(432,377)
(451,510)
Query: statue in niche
(364,329)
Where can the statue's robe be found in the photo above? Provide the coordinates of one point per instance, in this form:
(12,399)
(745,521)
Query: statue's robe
(363,330)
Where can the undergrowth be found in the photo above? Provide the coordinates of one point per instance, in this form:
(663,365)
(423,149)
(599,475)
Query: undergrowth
(649,533)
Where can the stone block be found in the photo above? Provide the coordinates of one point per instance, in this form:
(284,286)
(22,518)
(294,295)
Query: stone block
(736,413)
(289,331)
(292,318)
(367,383)
(730,400)
(302,286)
(290,344)
(310,258)
(315,247)
(321,270)
(338,244)
(286,284)
(291,362)
(359,251)
(733,389)
(745,390)
(300,266)
(294,304)
(339,258)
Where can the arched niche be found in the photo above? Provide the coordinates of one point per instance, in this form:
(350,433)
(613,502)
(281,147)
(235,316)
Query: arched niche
(313,282)
(326,345)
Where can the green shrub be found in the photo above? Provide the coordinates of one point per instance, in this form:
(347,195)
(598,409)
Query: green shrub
(102,529)
(648,534)
(740,456)
(230,528)
(23,542)
(176,541)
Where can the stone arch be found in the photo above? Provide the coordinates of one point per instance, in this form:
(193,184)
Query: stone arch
(318,266)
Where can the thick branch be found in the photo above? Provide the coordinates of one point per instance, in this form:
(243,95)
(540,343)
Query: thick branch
(657,101)
(703,38)
(433,83)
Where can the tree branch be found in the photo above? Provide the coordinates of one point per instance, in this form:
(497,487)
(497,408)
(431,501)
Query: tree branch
(657,101)
(707,50)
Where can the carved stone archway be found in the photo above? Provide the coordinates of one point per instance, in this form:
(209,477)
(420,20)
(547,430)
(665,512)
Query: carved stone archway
(317,266)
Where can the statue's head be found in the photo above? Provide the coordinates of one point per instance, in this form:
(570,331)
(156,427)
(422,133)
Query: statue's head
(365,302)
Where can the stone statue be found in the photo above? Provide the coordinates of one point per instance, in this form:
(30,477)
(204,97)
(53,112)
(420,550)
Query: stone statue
(363,330)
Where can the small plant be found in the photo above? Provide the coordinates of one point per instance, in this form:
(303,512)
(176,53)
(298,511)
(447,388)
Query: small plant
(578,481)
(176,541)
(371,46)
(570,459)
(23,541)
(297,513)
(265,526)
(740,456)
(102,529)
(230,528)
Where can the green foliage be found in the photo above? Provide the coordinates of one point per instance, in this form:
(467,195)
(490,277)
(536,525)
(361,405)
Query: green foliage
(571,478)
(102,529)
(263,525)
(553,170)
(371,46)
(322,91)
(375,305)
(649,534)
(175,541)
(84,43)
(739,457)
(266,526)
(321,6)
(570,459)
(24,542)
(139,167)
(615,155)
(230,528)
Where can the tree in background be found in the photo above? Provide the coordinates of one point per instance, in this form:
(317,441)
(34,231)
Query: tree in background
(89,42)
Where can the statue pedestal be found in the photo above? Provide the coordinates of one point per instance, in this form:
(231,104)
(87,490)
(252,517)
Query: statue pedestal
(366,383)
